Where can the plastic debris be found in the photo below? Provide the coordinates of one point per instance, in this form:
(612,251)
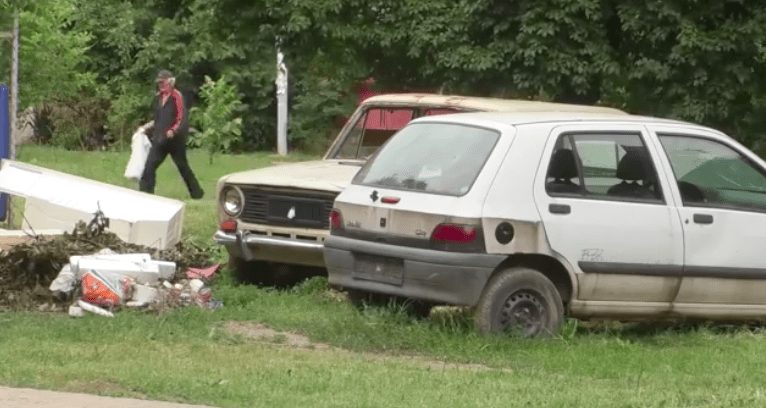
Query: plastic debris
(144,294)
(143,270)
(28,269)
(65,282)
(196,285)
(202,273)
(105,280)
(94,309)
(76,311)
(106,288)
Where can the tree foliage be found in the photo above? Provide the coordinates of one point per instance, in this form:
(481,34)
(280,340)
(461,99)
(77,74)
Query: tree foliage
(700,60)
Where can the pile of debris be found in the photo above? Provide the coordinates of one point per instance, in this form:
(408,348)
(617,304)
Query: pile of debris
(92,269)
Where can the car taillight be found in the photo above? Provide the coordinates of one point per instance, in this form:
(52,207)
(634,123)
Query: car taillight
(336,220)
(229,226)
(457,237)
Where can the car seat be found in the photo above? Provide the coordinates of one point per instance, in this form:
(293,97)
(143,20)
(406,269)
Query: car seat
(631,169)
(563,169)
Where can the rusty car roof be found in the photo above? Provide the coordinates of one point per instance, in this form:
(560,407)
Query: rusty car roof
(483,103)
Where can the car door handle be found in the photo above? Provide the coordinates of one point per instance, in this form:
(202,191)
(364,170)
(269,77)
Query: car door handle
(703,219)
(559,209)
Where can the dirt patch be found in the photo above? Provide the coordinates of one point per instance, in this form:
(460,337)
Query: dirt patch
(261,333)
(101,387)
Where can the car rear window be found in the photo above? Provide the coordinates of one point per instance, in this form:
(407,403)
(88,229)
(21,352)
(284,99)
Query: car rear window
(434,158)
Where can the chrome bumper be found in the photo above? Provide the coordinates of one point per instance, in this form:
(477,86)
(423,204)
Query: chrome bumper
(254,247)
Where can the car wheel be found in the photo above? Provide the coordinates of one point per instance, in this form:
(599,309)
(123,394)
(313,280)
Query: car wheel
(520,301)
(270,274)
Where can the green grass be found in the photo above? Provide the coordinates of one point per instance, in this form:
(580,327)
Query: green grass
(378,354)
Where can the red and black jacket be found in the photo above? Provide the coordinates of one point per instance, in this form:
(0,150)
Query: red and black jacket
(170,116)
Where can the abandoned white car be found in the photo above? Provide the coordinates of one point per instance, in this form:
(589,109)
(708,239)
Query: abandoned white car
(536,216)
(277,216)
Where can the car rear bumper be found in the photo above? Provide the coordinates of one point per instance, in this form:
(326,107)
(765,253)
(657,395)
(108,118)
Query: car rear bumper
(439,276)
(255,247)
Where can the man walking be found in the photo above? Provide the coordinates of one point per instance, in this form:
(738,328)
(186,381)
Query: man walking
(168,133)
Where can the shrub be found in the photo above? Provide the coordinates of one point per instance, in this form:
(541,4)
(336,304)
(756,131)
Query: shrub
(218,117)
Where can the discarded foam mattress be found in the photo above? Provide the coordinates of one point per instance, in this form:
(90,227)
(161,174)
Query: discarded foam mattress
(57,201)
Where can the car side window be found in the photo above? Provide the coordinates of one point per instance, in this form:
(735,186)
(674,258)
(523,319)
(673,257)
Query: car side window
(712,174)
(603,165)
(350,146)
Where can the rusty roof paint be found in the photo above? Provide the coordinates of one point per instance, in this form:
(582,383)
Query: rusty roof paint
(483,104)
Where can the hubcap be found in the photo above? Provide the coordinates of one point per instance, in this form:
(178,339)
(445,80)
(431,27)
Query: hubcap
(523,312)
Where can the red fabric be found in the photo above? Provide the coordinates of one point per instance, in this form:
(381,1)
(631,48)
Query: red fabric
(365,93)
(178,100)
(387,119)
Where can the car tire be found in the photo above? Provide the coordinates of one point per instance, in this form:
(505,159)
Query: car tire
(247,272)
(520,301)
(269,274)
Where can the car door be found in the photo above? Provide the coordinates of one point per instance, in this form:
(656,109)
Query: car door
(604,209)
(722,191)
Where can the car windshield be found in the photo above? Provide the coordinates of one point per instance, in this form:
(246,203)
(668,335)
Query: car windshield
(431,157)
(376,125)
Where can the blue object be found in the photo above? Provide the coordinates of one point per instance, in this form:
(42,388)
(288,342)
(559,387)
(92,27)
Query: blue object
(5,142)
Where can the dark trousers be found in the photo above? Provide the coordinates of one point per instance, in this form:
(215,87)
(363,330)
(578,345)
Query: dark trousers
(176,148)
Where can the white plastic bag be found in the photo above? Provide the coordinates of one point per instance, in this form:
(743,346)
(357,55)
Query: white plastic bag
(139,150)
(65,281)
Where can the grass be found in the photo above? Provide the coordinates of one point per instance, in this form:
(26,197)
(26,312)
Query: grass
(378,353)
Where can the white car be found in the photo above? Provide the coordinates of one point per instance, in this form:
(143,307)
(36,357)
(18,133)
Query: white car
(531,217)
(276,218)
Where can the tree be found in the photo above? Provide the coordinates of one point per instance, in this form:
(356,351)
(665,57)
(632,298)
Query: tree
(701,60)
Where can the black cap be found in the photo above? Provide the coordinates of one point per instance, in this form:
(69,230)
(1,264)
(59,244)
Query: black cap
(164,74)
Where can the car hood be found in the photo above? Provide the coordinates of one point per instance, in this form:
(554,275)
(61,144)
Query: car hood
(325,175)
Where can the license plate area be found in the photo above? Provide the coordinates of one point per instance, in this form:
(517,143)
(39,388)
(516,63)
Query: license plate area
(379,269)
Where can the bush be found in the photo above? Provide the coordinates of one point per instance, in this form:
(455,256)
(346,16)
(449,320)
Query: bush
(74,124)
(218,118)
